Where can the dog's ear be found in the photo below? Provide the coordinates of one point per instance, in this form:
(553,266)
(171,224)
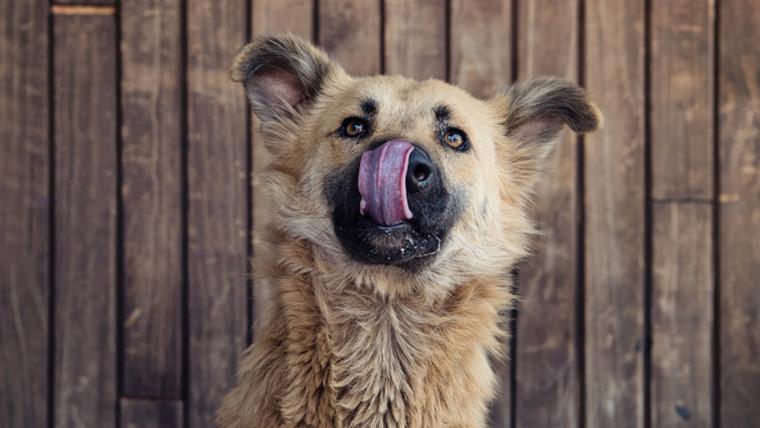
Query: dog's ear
(533,114)
(537,109)
(281,74)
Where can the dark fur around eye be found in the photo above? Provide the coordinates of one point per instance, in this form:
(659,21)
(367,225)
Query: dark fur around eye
(353,127)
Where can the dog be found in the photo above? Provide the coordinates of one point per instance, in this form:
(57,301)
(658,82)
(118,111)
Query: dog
(402,207)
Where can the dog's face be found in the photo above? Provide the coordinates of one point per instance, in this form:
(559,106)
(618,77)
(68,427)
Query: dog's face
(418,181)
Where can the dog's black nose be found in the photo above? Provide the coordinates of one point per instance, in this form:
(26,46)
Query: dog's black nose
(421,171)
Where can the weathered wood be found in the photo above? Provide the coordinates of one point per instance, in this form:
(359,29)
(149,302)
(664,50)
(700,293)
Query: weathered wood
(82,9)
(136,413)
(270,16)
(615,206)
(479,30)
(682,320)
(85,220)
(415,38)
(217,205)
(548,388)
(151,197)
(24,214)
(77,3)
(739,213)
(349,31)
(682,99)
(481,45)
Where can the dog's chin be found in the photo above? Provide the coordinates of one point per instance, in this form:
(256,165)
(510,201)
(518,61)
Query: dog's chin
(403,245)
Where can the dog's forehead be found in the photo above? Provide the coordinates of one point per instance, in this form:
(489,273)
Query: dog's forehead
(396,94)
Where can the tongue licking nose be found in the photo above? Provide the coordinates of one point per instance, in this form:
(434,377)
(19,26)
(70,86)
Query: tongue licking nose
(382,183)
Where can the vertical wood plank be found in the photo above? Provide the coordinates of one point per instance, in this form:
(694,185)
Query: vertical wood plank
(349,31)
(483,29)
(87,2)
(548,387)
(137,413)
(24,214)
(217,204)
(681,105)
(481,45)
(739,212)
(270,16)
(615,206)
(682,174)
(151,192)
(682,321)
(85,220)
(415,38)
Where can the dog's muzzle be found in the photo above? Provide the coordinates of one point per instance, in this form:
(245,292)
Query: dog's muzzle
(389,176)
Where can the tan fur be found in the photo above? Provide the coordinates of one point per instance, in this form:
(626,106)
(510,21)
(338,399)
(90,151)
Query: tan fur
(354,345)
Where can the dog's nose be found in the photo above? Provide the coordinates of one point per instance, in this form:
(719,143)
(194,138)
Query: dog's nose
(421,171)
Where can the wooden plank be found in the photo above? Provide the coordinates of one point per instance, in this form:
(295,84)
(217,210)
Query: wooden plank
(349,31)
(80,3)
(151,192)
(682,317)
(739,213)
(136,413)
(481,29)
(682,123)
(271,16)
(85,220)
(217,218)
(615,206)
(415,38)
(548,386)
(285,16)
(24,214)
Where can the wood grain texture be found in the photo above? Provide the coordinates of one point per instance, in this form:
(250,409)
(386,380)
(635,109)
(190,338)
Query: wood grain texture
(136,413)
(270,16)
(349,31)
(85,220)
(76,3)
(548,386)
(24,214)
(682,99)
(682,321)
(151,197)
(739,213)
(481,45)
(217,218)
(614,167)
(482,29)
(415,38)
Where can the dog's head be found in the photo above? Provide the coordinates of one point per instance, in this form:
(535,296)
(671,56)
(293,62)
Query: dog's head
(413,181)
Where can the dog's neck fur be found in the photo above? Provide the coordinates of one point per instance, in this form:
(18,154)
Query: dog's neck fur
(336,354)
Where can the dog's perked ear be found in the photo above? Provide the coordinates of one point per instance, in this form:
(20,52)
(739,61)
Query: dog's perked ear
(281,74)
(533,114)
(537,109)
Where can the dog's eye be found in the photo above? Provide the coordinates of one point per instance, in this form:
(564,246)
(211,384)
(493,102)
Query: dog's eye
(456,139)
(354,127)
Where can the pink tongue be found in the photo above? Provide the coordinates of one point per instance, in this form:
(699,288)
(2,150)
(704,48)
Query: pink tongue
(382,182)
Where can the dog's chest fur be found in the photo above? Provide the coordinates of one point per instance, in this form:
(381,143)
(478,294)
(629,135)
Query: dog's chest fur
(337,355)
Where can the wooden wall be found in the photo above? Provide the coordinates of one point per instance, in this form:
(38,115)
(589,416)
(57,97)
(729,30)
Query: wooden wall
(129,202)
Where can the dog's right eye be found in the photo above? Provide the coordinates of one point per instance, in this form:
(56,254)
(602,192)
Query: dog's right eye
(354,127)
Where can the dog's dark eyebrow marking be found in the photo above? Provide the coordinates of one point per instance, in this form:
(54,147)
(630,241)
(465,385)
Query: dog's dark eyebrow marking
(369,107)
(442,113)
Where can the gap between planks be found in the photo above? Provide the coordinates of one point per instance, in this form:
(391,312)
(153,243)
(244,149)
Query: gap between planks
(59,9)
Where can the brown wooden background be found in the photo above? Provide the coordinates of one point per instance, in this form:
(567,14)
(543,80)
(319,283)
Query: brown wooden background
(126,216)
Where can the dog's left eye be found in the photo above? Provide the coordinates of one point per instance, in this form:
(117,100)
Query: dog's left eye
(456,139)
(354,127)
